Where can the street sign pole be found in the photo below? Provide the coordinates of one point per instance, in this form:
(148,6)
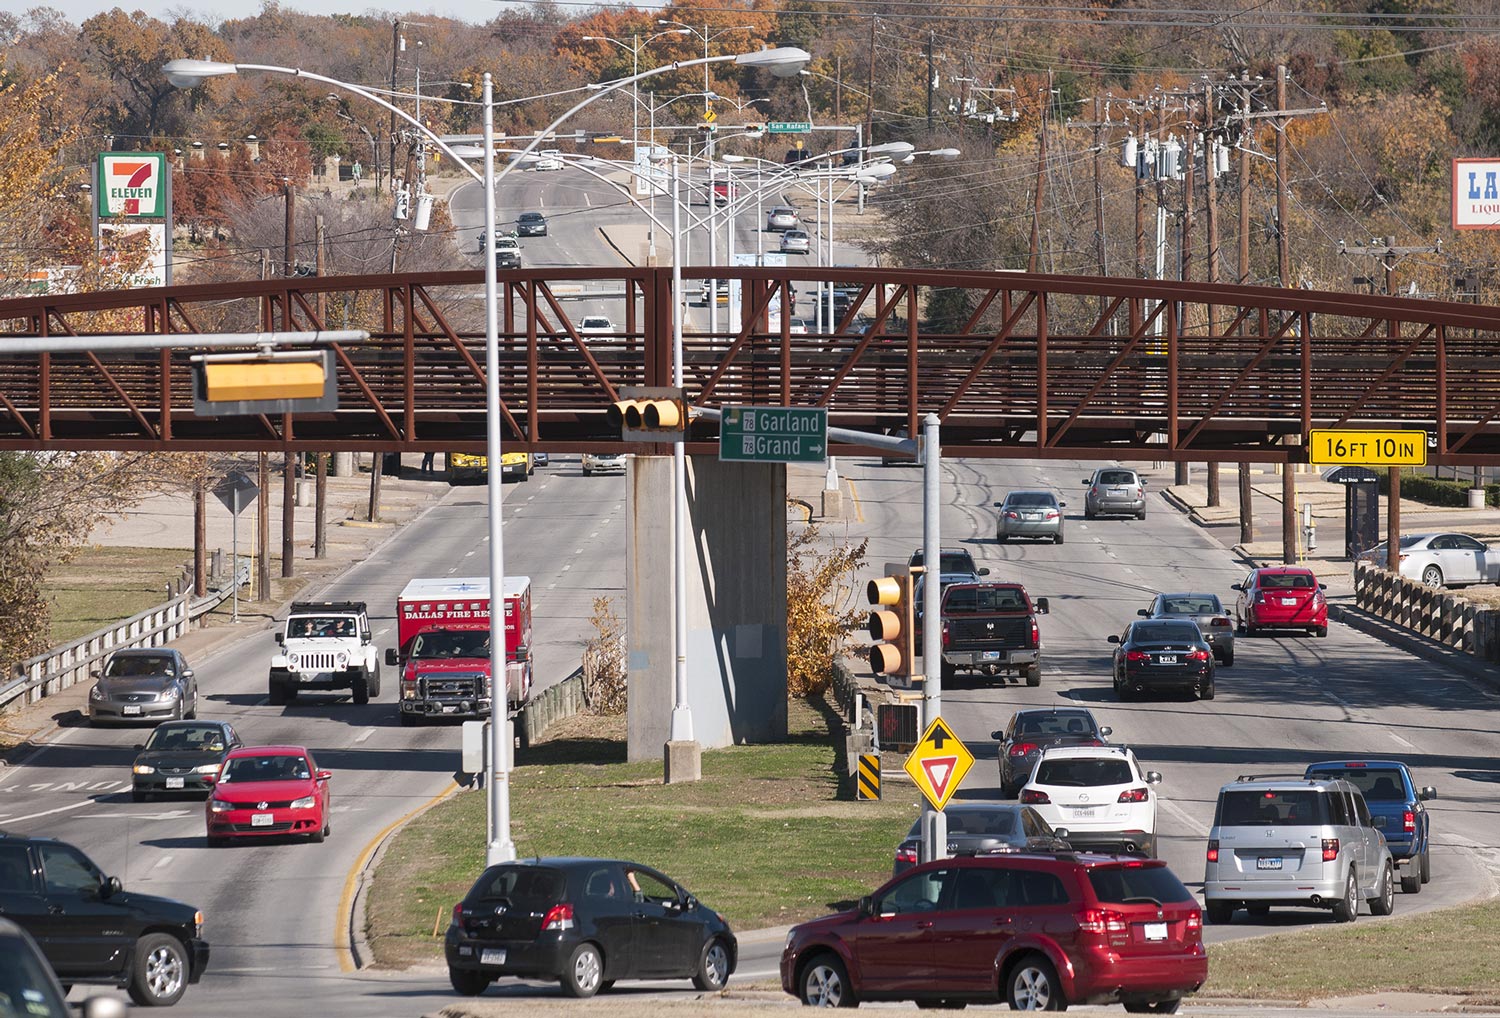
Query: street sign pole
(234,562)
(936,827)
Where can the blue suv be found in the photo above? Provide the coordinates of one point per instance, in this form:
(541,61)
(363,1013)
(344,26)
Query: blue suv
(1395,802)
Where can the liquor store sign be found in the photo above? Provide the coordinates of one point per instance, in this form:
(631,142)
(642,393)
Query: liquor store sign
(132,185)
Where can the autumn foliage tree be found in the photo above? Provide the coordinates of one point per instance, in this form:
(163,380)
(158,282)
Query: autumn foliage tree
(820,607)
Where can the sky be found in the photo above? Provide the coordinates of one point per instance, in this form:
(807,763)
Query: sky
(212,11)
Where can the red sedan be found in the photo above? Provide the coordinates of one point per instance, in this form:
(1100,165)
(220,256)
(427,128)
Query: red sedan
(266,791)
(1282,597)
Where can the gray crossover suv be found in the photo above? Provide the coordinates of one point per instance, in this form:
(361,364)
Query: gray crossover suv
(1295,841)
(1114,490)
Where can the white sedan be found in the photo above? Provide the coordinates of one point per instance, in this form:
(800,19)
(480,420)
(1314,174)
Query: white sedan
(1442,560)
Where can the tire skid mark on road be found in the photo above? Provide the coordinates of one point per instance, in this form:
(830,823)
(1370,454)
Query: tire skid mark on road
(1183,816)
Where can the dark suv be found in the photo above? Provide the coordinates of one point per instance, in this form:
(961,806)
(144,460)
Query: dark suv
(585,923)
(1030,731)
(93,931)
(1038,932)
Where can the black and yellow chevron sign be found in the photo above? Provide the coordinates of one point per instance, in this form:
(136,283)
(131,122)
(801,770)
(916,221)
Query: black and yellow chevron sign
(868,784)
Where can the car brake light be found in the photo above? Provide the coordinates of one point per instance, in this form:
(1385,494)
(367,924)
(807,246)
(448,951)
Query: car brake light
(1195,920)
(1330,849)
(1138,492)
(1134,795)
(458,913)
(1136,655)
(1199,655)
(1409,820)
(1036,634)
(558,917)
(1022,748)
(1219,622)
(1051,514)
(1094,490)
(1101,920)
(1213,849)
(945,635)
(1012,515)
(1355,763)
(1034,797)
(906,855)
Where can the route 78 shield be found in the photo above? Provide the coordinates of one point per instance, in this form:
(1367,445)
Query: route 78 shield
(939,763)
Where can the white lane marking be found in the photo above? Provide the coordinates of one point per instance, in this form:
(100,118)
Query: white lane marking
(176,814)
(49,812)
(594,535)
(468,554)
(382,632)
(588,200)
(163,861)
(567,567)
(1193,823)
(577,551)
(1403,742)
(362,736)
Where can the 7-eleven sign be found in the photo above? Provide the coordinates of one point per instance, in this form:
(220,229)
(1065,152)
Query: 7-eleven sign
(939,763)
(132,184)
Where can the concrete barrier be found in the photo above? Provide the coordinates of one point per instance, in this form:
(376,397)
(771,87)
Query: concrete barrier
(1428,611)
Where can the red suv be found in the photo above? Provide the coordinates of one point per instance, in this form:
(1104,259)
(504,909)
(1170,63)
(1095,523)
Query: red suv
(1038,932)
(1282,597)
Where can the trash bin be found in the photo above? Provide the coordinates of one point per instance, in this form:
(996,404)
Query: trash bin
(1476,498)
(305,493)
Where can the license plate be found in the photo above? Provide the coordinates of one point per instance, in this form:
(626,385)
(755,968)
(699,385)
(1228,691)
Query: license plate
(450,709)
(1032,516)
(1156,931)
(262,819)
(1289,601)
(492,956)
(174,782)
(130,709)
(1083,811)
(1166,659)
(1268,862)
(991,655)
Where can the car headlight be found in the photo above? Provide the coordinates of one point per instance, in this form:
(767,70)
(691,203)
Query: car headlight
(96,693)
(206,769)
(341,659)
(306,802)
(220,806)
(198,924)
(143,769)
(292,662)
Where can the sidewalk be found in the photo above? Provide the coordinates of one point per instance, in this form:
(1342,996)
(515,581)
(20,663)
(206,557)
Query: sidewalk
(166,521)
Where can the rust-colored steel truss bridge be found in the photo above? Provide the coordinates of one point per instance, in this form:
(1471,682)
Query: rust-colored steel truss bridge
(1015,365)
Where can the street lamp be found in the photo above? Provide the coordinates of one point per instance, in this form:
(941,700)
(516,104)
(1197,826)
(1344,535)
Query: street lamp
(500,847)
(690,30)
(635,69)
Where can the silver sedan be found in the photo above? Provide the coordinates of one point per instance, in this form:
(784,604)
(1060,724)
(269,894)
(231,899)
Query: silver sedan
(1206,610)
(1442,560)
(140,684)
(1030,514)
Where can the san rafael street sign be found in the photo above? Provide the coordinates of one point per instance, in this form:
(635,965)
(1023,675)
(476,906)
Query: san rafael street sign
(789,127)
(775,434)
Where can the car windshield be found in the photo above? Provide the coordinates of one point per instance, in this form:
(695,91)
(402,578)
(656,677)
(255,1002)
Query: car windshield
(1083,772)
(531,217)
(1069,723)
(26,986)
(125,666)
(1286,581)
(451,643)
(187,738)
(1031,498)
(1250,808)
(983,599)
(266,768)
(593,322)
(1166,632)
(1206,604)
(1116,477)
(1379,784)
(314,627)
(1119,884)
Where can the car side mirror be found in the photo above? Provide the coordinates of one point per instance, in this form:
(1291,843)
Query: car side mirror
(279,638)
(391,657)
(1112,638)
(997,505)
(997,736)
(1322,586)
(110,887)
(1236,586)
(324,775)
(137,748)
(1106,731)
(1041,606)
(1060,832)
(867,906)
(1153,777)
(1143,613)
(187,673)
(1086,481)
(984,572)
(1062,505)
(103,1007)
(96,675)
(1427,793)
(1377,821)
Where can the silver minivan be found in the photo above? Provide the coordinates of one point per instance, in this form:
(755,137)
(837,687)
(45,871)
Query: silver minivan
(1298,842)
(1114,490)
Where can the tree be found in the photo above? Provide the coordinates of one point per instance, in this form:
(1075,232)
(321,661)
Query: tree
(820,612)
(132,50)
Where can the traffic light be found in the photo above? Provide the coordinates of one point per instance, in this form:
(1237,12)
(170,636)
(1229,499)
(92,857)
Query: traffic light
(893,623)
(284,382)
(649,414)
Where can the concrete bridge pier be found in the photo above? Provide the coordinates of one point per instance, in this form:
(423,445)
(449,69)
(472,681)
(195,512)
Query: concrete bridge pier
(736,603)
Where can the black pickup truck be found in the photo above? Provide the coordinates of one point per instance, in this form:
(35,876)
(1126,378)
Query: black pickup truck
(991,628)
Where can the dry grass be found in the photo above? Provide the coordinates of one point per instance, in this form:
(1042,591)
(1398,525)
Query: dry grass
(105,585)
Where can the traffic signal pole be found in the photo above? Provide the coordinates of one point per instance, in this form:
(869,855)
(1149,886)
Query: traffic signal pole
(935,822)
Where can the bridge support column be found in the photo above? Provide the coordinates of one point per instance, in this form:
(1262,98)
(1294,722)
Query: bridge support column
(1247,517)
(736,603)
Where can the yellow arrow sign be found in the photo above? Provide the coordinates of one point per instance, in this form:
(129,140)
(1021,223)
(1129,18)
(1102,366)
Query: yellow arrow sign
(939,763)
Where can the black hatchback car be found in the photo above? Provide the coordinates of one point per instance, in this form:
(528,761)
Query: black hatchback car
(586,923)
(1154,655)
(1030,731)
(182,756)
(91,930)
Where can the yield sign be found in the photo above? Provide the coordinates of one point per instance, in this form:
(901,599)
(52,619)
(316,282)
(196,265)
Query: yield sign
(939,763)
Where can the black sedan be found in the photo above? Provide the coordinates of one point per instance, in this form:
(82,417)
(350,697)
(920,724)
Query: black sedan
(1160,654)
(978,828)
(585,923)
(1030,731)
(182,756)
(531,224)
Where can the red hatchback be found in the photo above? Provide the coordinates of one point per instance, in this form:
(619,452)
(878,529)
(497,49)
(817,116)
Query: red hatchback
(266,791)
(1281,597)
(1038,932)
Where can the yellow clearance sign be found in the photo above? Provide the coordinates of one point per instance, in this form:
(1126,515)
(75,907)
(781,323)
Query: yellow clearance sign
(1369,448)
(939,763)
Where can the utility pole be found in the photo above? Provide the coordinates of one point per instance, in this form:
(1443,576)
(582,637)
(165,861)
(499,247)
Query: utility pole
(1041,179)
(1185,247)
(263,530)
(289,265)
(1211,226)
(1247,137)
(1140,204)
(838,88)
(1389,254)
(288,511)
(395,57)
(930,83)
(870,83)
(1284,271)
(320,513)
(200,537)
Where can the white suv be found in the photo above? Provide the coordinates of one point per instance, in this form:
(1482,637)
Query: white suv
(325,645)
(1098,794)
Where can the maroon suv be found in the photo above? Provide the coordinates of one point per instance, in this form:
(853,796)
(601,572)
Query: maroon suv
(1038,932)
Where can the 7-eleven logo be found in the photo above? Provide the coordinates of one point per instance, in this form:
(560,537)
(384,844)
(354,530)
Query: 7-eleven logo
(132,184)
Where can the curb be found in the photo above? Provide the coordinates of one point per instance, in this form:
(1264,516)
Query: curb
(1413,643)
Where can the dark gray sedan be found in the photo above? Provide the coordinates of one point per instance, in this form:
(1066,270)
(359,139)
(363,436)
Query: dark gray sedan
(144,684)
(977,828)
(1030,731)
(182,756)
(1206,610)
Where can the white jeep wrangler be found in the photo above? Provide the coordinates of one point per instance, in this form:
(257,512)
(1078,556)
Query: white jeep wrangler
(325,645)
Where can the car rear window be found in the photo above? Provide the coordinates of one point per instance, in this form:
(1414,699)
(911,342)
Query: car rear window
(1135,882)
(1286,581)
(1071,723)
(522,886)
(982,599)
(1293,807)
(1116,477)
(1083,772)
(1030,498)
(1378,783)
(996,823)
(1192,605)
(1173,632)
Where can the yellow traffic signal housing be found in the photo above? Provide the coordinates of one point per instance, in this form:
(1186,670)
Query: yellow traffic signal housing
(282,382)
(893,623)
(649,414)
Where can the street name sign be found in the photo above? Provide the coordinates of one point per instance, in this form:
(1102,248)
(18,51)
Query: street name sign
(789,127)
(939,763)
(776,434)
(1369,448)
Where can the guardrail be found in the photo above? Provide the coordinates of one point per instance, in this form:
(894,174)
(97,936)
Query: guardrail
(554,703)
(66,665)
(1430,612)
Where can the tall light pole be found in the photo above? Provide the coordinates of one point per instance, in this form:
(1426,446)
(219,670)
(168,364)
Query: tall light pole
(634,49)
(690,30)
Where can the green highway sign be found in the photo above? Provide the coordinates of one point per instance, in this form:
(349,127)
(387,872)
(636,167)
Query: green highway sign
(789,127)
(774,434)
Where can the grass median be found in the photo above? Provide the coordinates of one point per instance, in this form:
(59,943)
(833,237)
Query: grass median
(102,586)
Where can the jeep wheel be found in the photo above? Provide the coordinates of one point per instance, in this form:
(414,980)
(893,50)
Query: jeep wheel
(1346,909)
(159,971)
(276,692)
(374,682)
(360,687)
(1384,902)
